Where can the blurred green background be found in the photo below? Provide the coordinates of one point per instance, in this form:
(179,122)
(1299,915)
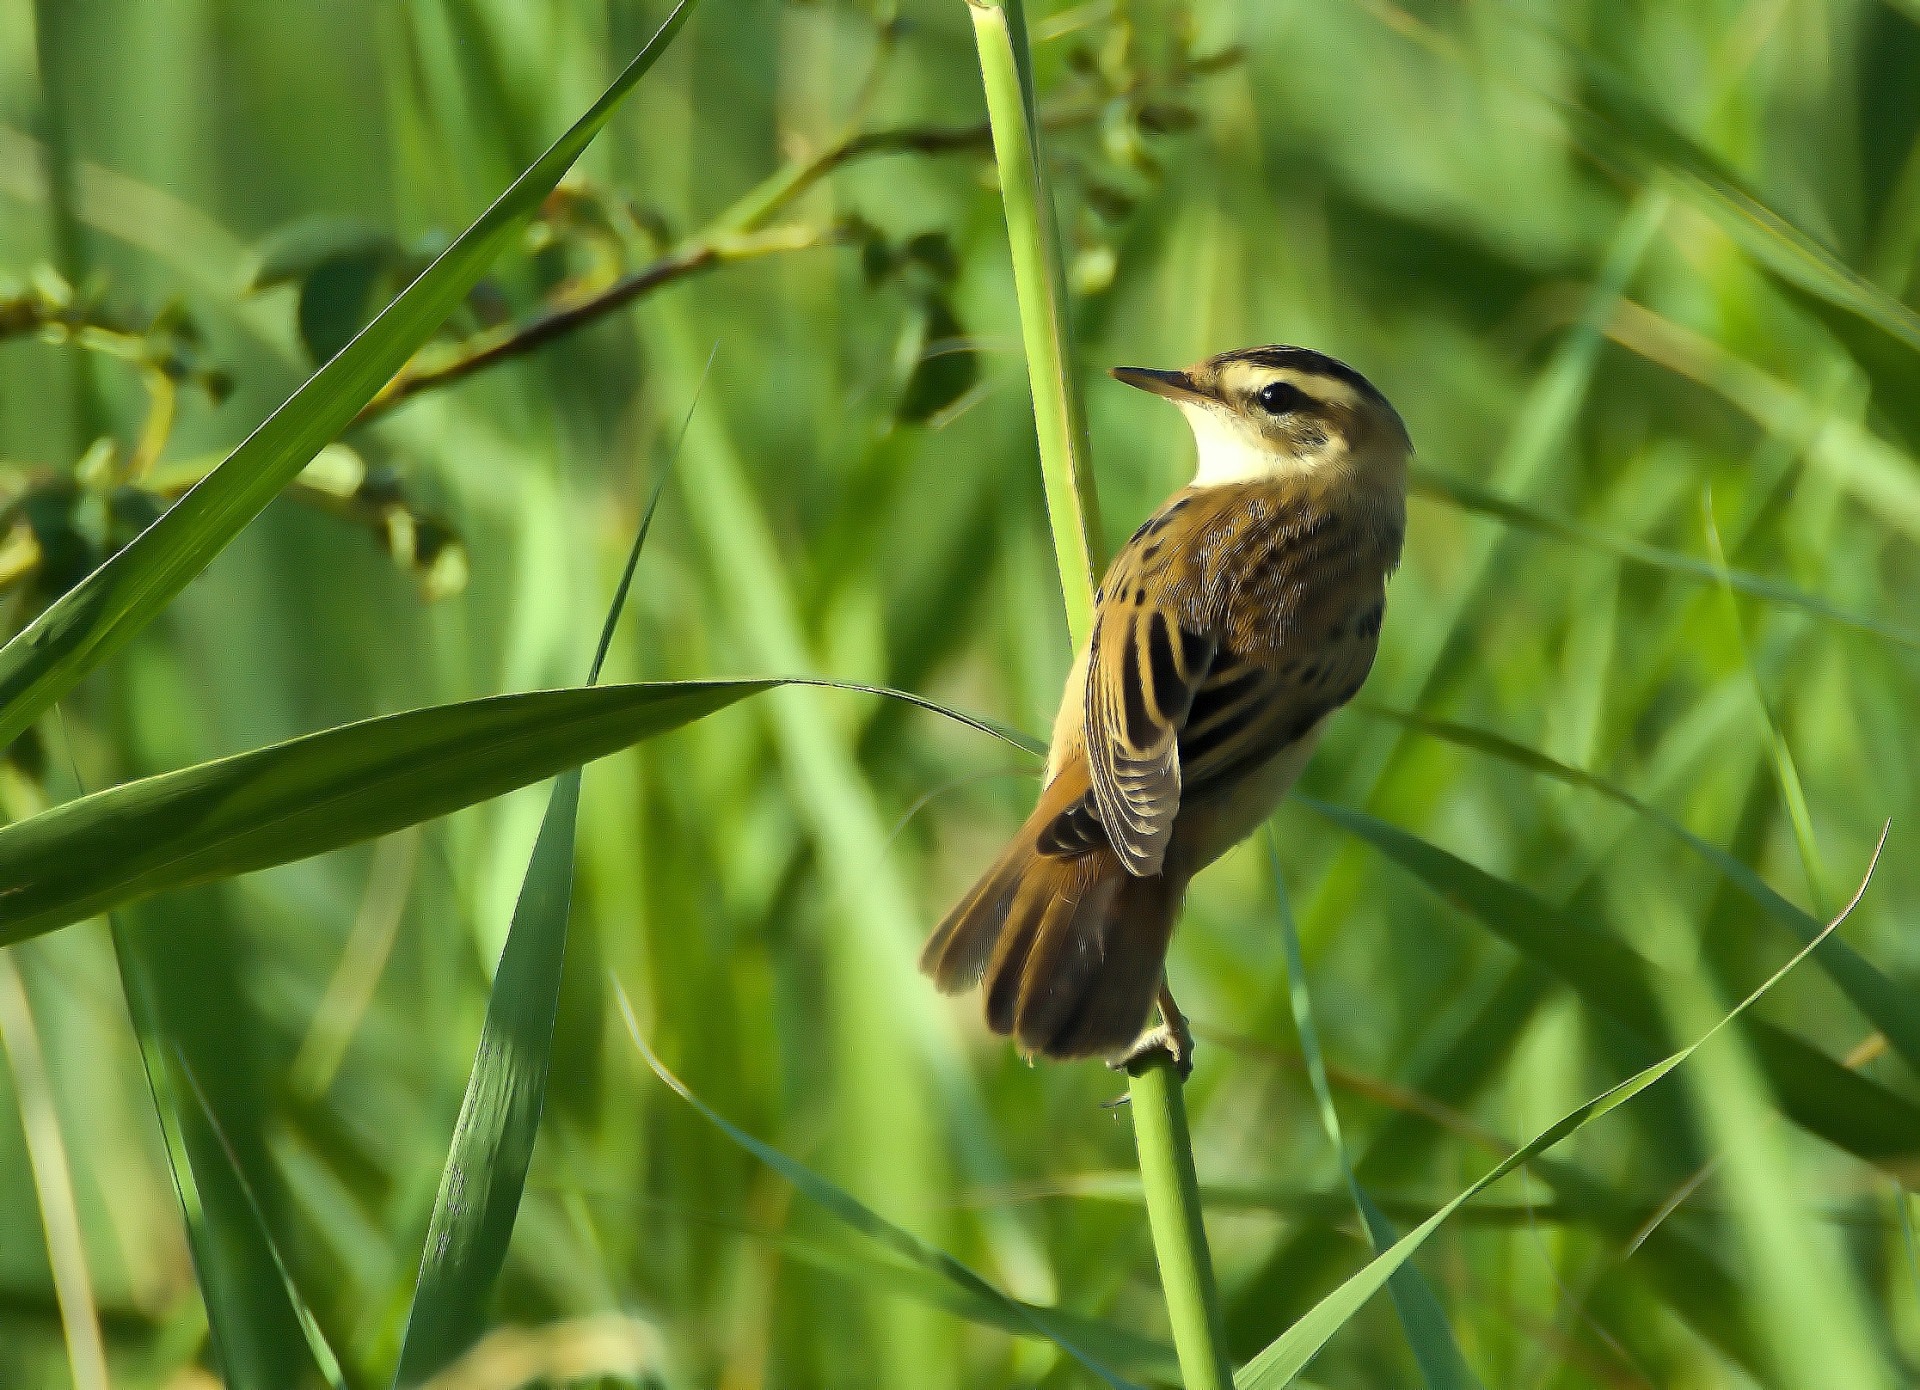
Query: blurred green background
(1640,277)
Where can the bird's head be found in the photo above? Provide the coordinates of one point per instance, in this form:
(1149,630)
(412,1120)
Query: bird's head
(1270,412)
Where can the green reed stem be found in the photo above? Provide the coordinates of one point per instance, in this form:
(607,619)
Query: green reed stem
(1179,1237)
(1158,1105)
(1058,415)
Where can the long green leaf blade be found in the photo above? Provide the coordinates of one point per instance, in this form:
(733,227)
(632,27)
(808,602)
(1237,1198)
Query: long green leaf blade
(1881,1001)
(486,1170)
(103,612)
(1288,1355)
(318,792)
(1421,1317)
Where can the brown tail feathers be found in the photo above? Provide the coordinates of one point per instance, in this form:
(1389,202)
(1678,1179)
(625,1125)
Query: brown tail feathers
(1070,949)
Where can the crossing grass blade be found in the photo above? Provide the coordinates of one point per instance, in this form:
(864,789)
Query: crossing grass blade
(1288,1355)
(1421,1317)
(1881,1001)
(101,614)
(499,1121)
(241,1225)
(843,1206)
(256,1217)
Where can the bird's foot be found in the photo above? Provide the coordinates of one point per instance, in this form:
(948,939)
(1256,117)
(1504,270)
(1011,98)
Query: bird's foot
(1170,1040)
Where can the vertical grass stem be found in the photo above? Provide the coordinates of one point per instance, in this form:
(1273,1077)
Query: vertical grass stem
(1159,1109)
(1058,415)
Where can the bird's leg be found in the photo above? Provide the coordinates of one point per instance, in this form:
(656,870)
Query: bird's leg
(1170,1037)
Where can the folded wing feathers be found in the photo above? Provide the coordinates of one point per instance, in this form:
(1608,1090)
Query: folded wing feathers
(1141,680)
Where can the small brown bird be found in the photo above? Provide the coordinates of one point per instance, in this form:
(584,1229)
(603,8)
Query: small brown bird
(1233,623)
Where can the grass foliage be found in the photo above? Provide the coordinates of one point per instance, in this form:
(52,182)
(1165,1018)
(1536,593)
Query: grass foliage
(286,1103)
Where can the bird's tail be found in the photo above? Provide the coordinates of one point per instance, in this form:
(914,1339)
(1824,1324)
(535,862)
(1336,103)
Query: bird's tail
(1070,949)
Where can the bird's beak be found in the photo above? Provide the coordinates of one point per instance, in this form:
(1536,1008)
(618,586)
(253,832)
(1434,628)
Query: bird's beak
(1175,386)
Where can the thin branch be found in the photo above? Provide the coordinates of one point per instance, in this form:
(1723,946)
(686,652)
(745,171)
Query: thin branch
(739,234)
(536,333)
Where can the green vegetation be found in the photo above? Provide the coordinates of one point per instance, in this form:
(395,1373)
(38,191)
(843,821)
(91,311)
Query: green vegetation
(1642,280)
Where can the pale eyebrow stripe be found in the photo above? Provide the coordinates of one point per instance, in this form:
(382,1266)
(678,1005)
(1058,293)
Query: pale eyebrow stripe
(1323,387)
(1328,390)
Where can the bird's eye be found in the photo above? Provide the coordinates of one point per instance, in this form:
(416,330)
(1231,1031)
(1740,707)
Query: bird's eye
(1279,397)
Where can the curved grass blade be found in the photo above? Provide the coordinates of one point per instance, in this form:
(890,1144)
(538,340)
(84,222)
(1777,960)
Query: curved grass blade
(241,1224)
(1881,1001)
(103,612)
(212,1241)
(1115,1347)
(1287,1356)
(1816,1092)
(1421,1317)
(499,1122)
(1041,1322)
(1471,497)
(318,792)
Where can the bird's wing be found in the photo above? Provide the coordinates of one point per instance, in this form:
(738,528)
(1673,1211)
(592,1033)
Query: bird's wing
(1181,702)
(1150,653)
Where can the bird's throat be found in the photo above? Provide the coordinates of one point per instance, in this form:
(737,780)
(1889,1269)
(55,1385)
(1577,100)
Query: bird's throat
(1228,453)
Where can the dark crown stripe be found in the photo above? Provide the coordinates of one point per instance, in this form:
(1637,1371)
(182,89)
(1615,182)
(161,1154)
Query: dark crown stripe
(1301,359)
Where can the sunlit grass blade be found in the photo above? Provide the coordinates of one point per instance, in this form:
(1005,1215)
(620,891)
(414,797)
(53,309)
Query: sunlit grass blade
(1621,127)
(1848,1110)
(103,612)
(1421,1316)
(848,1209)
(1288,1355)
(499,1121)
(1881,1001)
(1792,792)
(1471,497)
(52,1175)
